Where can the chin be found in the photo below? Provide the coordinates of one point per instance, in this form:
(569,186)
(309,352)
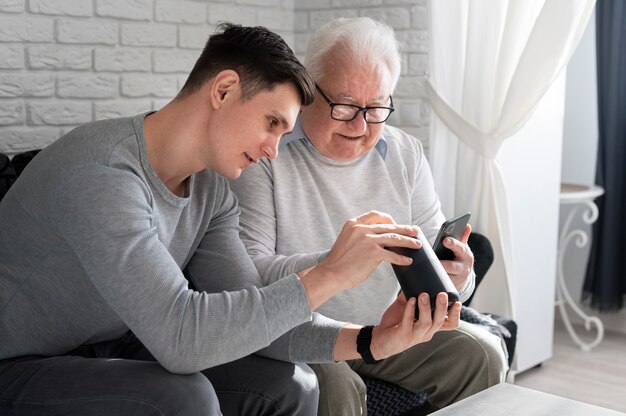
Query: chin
(349,155)
(231,176)
(351,150)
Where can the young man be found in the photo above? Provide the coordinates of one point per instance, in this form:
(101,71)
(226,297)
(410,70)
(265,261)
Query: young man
(342,159)
(119,240)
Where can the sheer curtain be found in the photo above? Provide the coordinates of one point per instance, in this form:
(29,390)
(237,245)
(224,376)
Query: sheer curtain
(490,64)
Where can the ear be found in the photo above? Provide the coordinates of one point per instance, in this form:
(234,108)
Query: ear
(224,86)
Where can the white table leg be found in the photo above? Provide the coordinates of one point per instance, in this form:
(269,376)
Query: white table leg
(562,293)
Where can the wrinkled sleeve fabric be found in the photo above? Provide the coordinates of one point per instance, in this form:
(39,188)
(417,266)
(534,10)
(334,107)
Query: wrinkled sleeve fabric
(431,218)
(106,215)
(311,342)
(236,271)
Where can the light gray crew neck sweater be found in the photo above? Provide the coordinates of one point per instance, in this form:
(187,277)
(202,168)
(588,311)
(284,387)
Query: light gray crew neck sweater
(92,244)
(294,207)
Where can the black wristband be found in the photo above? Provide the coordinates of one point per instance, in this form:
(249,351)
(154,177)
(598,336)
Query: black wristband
(363,342)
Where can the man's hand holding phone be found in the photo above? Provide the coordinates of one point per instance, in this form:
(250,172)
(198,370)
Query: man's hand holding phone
(398,329)
(429,273)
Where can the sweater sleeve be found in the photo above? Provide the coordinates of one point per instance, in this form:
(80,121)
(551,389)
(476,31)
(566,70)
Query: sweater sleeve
(425,204)
(313,341)
(431,218)
(238,271)
(107,217)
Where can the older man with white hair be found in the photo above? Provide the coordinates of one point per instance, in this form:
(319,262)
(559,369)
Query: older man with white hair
(342,159)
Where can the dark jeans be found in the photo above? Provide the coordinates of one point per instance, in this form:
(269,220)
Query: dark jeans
(121,378)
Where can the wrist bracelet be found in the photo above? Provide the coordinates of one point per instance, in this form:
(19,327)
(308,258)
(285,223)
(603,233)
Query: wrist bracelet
(363,343)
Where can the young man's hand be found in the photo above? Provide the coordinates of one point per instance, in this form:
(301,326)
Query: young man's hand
(398,329)
(358,250)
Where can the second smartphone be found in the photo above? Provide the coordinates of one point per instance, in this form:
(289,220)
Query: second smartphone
(454,228)
(426,274)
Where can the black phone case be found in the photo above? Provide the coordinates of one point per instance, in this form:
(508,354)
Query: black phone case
(425,274)
(454,228)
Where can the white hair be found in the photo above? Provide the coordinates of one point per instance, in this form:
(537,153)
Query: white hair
(366,40)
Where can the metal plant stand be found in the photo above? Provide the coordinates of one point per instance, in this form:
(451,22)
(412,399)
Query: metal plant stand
(582,197)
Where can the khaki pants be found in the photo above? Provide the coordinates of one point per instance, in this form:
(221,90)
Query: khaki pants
(450,367)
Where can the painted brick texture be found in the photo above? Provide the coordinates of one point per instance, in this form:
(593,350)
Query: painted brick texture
(67,62)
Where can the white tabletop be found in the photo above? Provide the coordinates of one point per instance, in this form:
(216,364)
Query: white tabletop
(573,193)
(507,399)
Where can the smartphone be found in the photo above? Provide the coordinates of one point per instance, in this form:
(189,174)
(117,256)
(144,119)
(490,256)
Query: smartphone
(454,228)
(425,274)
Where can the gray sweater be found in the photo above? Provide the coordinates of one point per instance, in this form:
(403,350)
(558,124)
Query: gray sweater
(92,244)
(293,208)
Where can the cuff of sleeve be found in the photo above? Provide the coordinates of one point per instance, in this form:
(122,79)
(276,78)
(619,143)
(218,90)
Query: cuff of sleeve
(309,260)
(322,256)
(311,342)
(469,287)
(286,305)
(315,342)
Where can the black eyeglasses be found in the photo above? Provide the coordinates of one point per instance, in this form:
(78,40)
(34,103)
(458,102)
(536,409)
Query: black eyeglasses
(348,112)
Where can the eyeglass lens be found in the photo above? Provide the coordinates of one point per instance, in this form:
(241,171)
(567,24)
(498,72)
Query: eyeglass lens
(346,112)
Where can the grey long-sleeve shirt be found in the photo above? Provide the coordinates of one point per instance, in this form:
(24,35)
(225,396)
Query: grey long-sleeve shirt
(92,244)
(293,208)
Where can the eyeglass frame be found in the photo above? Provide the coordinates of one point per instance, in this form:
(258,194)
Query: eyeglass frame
(359,109)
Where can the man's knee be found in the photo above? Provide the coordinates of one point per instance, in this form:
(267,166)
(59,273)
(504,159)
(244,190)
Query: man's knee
(256,385)
(488,355)
(342,391)
(183,395)
(490,348)
(302,395)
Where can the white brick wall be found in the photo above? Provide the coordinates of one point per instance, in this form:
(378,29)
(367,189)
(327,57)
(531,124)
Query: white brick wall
(67,62)
(12,6)
(61,7)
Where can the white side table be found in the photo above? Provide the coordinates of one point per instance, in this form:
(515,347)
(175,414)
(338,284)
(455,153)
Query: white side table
(511,400)
(582,196)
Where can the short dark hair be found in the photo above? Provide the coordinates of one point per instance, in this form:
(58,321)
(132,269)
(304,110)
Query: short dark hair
(260,57)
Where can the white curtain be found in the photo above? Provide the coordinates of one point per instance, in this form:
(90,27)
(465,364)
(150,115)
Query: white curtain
(491,61)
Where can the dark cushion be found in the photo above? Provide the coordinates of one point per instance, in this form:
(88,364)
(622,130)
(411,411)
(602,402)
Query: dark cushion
(20,160)
(386,399)
(10,169)
(483,258)
(7,174)
(510,342)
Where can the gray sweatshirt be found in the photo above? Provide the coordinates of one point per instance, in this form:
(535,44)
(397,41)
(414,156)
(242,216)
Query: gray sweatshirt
(92,244)
(294,207)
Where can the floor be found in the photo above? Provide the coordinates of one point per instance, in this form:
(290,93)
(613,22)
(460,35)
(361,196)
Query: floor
(597,377)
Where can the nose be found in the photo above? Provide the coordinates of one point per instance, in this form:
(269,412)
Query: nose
(270,148)
(358,124)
